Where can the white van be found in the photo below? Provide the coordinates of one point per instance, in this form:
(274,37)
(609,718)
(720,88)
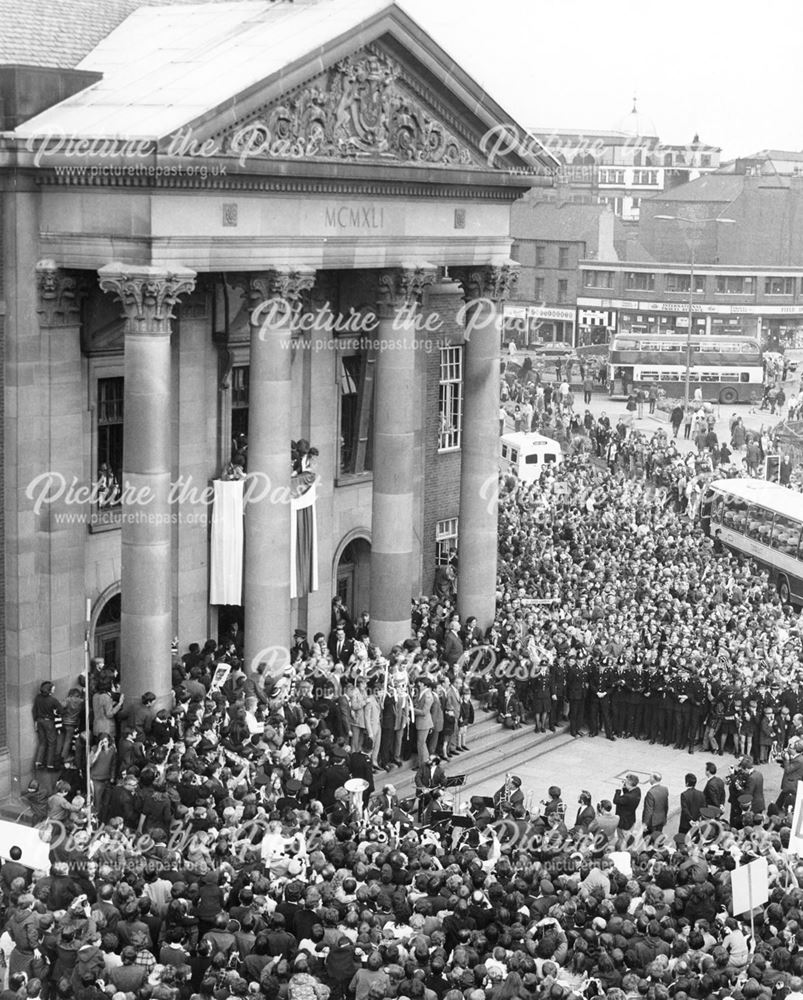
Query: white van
(523,455)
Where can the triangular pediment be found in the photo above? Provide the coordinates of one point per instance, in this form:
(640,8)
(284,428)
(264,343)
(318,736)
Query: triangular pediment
(366,107)
(313,82)
(395,98)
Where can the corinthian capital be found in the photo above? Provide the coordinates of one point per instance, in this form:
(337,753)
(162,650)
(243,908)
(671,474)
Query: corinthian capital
(59,295)
(402,287)
(489,281)
(281,283)
(147,294)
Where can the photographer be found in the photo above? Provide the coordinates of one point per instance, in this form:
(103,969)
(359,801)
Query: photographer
(429,777)
(626,801)
(792,763)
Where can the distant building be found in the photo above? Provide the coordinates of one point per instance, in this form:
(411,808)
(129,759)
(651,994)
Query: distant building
(549,241)
(766,162)
(621,169)
(653,298)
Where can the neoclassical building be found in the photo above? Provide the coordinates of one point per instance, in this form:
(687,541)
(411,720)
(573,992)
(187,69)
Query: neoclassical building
(270,220)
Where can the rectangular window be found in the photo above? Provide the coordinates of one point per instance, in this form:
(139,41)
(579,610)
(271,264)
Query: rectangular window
(786,535)
(759,524)
(445,541)
(539,289)
(563,257)
(540,255)
(732,284)
(563,290)
(642,281)
(645,177)
(110,440)
(239,402)
(681,282)
(779,286)
(356,403)
(598,279)
(735,515)
(450,398)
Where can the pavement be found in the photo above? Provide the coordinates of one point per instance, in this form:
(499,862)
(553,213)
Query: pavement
(594,764)
(601,402)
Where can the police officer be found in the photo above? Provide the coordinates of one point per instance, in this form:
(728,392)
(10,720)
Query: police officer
(576,687)
(619,696)
(696,708)
(683,711)
(605,687)
(593,707)
(654,688)
(634,675)
(557,679)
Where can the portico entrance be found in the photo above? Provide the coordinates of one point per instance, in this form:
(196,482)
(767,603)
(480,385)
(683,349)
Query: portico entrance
(353,576)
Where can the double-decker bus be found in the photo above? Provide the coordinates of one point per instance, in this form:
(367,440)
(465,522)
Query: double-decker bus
(761,520)
(728,369)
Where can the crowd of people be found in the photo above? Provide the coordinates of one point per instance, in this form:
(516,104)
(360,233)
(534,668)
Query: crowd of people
(240,841)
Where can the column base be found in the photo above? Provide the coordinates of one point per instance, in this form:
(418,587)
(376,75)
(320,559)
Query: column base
(386,635)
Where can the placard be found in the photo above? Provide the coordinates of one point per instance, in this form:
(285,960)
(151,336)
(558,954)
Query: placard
(796,833)
(750,886)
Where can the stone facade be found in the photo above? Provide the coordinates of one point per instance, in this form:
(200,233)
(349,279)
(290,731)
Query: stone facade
(151,278)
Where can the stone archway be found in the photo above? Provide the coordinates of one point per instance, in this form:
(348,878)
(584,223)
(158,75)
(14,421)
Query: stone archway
(104,626)
(351,577)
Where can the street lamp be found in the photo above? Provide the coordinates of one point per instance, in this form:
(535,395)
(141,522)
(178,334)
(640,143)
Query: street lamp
(701,222)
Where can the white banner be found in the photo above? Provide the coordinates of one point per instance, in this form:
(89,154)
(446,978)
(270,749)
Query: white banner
(226,547)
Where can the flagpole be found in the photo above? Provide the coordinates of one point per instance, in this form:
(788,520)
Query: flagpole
(88,619)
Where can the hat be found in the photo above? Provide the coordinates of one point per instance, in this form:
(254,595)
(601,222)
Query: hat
(340,753)
(294,785)
(710,812)
(300,633)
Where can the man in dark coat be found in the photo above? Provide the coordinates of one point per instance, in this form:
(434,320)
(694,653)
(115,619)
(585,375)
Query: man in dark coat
(656,806)
(123,801)
(692,801)
(429,777)
(714,790)
(754,786)
(334,777)
(792,773)
(626,800)
(359,763)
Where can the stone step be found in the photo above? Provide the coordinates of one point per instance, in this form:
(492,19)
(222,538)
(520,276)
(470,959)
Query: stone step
(493,752)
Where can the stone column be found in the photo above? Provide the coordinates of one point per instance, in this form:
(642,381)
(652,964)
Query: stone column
(393,462)
(148,295)
(271,297)
(61,399)
(484,290)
